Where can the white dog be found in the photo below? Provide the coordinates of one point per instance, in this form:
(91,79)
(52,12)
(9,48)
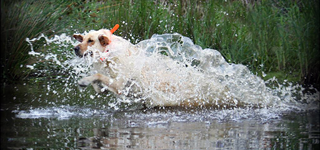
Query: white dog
(125,70)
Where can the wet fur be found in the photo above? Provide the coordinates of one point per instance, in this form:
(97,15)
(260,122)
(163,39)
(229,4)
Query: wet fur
(108,79)
(100,40)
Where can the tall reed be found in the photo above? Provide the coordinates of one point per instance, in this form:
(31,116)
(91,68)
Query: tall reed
(279,38)
(19,20)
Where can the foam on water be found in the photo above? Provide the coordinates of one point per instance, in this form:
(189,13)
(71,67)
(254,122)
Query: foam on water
(61,112)
(194,73)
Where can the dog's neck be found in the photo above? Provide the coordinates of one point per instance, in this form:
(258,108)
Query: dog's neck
(103,58)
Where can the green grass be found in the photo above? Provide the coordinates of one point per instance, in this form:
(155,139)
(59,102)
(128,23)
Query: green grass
(276,37)
(21,20)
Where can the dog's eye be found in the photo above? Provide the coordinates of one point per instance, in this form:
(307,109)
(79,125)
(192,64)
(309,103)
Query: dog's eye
(89,41)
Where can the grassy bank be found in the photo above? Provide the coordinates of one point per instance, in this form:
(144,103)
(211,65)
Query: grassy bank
(21,20)
(279,38)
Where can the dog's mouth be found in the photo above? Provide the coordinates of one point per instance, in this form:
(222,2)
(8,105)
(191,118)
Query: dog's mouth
(88,53)
(79,54)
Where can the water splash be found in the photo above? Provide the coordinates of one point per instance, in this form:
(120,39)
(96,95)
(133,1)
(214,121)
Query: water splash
(201,75)
(208,72)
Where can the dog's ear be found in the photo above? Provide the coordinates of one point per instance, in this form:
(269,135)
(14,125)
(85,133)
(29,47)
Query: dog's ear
(78,37)
(104,40)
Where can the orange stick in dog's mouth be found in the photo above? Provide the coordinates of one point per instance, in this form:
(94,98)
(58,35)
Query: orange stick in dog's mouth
(115,28)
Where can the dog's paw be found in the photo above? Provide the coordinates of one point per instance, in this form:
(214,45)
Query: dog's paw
(84,82)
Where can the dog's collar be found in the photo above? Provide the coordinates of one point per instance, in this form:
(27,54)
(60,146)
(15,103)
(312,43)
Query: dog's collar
(103,58)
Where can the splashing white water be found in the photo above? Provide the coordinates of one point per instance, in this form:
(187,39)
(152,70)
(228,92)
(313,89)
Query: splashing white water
(208,75)
(191,74)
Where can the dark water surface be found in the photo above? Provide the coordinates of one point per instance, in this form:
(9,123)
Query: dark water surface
(32,117)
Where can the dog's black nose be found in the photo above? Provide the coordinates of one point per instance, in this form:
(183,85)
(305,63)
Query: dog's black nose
(77,51)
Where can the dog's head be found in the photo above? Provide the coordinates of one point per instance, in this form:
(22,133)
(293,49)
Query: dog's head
(95,39)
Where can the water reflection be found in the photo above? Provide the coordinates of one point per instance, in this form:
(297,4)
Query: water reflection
(122,130)
(32,119)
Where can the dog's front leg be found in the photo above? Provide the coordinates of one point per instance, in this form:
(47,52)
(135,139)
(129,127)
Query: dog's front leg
(97,80)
